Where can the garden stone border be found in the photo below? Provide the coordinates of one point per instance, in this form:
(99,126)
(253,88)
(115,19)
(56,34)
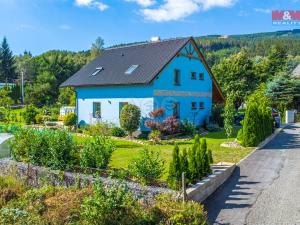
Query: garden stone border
(35,176)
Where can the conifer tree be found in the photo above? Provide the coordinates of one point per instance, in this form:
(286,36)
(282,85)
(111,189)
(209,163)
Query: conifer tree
(185,163)
(205,159)
(193,170)
(210,157)
(7,63)
(175,169)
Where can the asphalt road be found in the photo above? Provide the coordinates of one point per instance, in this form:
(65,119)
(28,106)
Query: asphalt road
(265,187)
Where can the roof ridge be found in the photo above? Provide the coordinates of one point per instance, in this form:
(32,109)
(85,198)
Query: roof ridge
(146,43)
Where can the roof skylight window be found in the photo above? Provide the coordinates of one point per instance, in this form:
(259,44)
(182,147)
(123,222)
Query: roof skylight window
(131,69)
(98,70)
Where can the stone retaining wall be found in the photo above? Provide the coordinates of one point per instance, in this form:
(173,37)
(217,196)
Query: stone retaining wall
(200,191)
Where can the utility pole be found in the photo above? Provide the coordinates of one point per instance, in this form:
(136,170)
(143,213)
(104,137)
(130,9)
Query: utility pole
(22,85)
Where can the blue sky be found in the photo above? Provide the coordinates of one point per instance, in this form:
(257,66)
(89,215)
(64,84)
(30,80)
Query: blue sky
(41,25)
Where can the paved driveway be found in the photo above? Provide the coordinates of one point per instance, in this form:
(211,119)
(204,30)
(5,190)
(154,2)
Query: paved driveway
(265,188)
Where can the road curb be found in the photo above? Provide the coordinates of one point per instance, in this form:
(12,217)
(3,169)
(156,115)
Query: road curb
(264,143)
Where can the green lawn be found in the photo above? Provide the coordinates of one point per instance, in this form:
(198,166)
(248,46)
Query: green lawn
(127,150)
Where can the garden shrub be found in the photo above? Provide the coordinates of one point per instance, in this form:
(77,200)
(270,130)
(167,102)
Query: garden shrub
(98,129)
(148,166)
(118,132)
(50,148)
(158,113)
(171,125)
(188,127)
(130,118)
(30,114)
(70,119)
(155,136)
(114,205)
(152,124)
(96,152)
(174,212)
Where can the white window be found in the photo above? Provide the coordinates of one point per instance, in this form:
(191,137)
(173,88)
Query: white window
(97,110)
(131,69)
(98,70)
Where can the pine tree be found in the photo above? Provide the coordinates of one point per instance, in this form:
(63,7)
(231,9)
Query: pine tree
(193,170)
(175,170)
(205,158)
(7,63)
(185,163)
(210,157)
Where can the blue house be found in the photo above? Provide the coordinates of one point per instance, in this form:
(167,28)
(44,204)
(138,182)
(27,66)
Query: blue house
(170,74)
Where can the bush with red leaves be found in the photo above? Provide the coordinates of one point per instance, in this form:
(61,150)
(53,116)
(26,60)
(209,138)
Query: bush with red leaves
(171,125)
(158,113)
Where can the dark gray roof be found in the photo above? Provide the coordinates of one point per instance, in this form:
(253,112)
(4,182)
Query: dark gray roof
(151,57)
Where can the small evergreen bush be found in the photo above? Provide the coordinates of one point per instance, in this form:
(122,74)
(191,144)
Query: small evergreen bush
(148,166)
(195,163)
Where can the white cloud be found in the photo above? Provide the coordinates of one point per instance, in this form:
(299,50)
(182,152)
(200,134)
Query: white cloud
(92,3)
(260,10)
(65,27)
(143,3)
(179,9)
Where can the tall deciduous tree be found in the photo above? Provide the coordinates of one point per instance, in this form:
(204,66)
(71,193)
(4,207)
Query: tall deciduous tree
(235,74)
(7,63)
(277,59)
(97,48)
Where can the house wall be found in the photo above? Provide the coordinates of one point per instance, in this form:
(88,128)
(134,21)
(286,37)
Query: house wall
(161,93)
(188,91)
(110,97)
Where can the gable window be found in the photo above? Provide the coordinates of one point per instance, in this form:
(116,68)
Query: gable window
(201,76)
(194,105)
(121,105)
(193,76)
(176,109)
(131,69)
(97,110)
(201,105)
(177,77)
